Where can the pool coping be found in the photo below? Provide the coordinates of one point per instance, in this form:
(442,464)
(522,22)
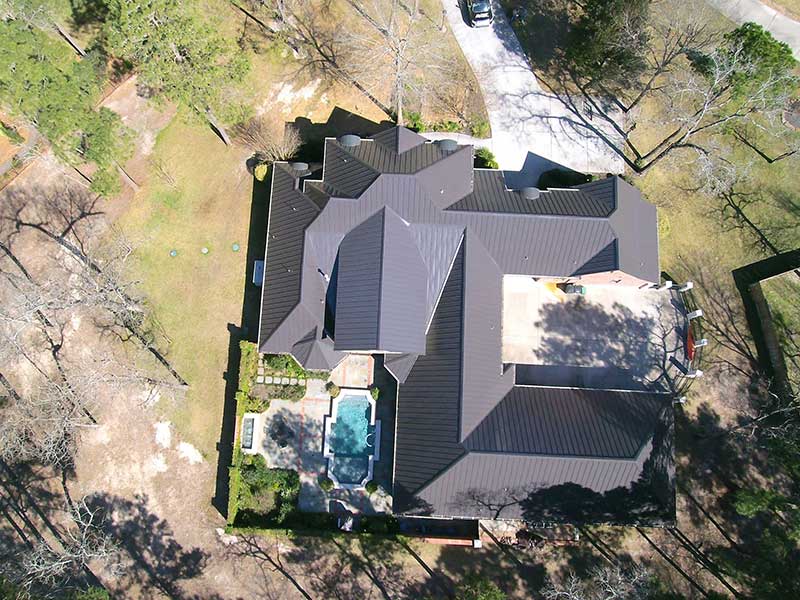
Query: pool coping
(328,453)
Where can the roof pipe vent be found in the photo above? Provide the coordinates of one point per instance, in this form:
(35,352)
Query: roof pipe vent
(300,168)
(350,141)
(530,193)
(447,145)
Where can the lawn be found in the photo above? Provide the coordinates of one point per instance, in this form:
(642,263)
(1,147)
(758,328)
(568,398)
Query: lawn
(194,295)
(782,294)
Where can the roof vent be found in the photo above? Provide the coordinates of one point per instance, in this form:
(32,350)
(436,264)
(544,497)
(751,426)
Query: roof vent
(530,193)
(299,167)
(447,145)
(350,140)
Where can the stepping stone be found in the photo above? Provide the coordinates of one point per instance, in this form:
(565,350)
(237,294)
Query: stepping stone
(285,380)
(260,370)
(267,379)
(260,379)
(293,381)
(301,382)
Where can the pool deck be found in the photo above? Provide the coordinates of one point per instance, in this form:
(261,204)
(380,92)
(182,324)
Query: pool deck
(304,452)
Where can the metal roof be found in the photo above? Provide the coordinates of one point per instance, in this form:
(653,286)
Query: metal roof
(381,288)
(404,246)
(490,194)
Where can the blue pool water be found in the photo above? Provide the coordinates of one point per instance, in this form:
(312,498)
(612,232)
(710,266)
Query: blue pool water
(349,432)
(352,439)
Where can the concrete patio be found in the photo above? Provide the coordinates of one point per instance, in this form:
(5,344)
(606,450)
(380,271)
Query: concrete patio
(290,436)
(614,337)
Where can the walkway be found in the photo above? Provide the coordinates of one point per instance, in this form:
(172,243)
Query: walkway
(525,120)
(782,27)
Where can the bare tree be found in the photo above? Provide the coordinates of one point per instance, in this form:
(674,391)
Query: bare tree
(43,426)
(395,48)
(268,139)
(84,542)
(691,75)
(606,583)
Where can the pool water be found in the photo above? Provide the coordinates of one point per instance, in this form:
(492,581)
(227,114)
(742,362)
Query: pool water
(350,434)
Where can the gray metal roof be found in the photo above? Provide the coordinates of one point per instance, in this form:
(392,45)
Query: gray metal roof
(399,139)
(490,194)
(406,245)
(569,422)
(290,212)
(426,440)
(381,288)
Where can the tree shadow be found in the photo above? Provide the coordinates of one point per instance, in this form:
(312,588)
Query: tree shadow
(247,330)
(585,344)
(160,562)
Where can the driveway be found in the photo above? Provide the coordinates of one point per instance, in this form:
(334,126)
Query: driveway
(779,25)
(528,125)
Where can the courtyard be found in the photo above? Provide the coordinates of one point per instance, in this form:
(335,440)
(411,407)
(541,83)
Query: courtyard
(611,337)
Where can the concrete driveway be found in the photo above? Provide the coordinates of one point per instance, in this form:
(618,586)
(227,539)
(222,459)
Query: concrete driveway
(525,120)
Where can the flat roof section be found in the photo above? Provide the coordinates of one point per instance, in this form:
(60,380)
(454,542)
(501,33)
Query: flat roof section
(613,337)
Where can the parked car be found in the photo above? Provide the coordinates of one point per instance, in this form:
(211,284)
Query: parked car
(480,13)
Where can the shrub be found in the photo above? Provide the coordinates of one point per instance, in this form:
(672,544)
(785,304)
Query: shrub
(278,391)
(484,159)
(284,364)
(248,365)
(260,172)
(375,392)
(414,121)
(333,389)
(11,133)
(268,493)
(269,138)
(371,487)
(447,126)
(326,484)
(251,404)
(480,128)
(561,178)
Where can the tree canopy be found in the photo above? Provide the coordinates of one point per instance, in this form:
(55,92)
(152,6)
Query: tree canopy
(177,53)
(42,81)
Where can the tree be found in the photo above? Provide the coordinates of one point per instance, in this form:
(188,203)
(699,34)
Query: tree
(395,48)
(699,83)
(42,82)
(604,583)
(268,139)
(177,53)
(476,587)
(52,566)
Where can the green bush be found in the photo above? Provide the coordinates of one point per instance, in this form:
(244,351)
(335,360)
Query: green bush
(234,483)
(285,365)
(446,126)
(484,159)
(379,524)
(93,593)
(267,493)
(11,133)
(251,404)
(561,178)
(333,389)
(479,128)
(248,365)
(279,391)
(260,171)
(414,121)
(326,484)
(375,392)
(371,487)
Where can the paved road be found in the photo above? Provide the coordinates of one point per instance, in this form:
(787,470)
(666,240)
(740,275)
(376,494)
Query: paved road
(781,26)
(523,117)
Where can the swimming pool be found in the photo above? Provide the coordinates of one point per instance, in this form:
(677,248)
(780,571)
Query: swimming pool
(352,439)
(350,432)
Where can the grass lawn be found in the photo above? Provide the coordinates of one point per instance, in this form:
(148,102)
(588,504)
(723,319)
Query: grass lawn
(194,296)
(782,294)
